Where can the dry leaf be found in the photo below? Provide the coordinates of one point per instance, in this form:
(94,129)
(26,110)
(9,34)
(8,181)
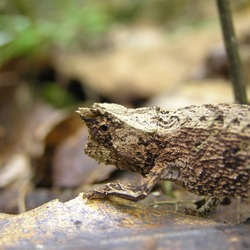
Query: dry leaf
(114,224)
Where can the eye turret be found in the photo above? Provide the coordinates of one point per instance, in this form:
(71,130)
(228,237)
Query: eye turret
(104,127)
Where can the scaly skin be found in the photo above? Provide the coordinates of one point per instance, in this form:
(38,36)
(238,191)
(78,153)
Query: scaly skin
(205,149)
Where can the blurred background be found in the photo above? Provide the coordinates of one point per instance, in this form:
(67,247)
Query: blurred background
(57,55)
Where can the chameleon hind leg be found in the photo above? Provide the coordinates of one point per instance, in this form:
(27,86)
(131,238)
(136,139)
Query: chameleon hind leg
(205,210)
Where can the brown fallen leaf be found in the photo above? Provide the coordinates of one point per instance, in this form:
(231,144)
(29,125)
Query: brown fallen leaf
(114,224)
(17,169)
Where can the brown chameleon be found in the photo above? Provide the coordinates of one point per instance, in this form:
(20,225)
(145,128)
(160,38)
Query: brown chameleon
(202,148)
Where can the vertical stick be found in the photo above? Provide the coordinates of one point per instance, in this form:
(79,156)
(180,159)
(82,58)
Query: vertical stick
(230,42)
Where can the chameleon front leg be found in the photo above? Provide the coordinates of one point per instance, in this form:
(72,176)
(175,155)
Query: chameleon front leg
(128,192)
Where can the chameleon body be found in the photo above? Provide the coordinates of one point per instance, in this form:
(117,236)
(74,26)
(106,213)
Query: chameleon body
(202,148)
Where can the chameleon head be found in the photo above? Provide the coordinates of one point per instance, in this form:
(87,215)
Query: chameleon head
(99,139)
(113,139)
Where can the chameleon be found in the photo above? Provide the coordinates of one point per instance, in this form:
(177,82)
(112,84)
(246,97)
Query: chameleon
(204,149)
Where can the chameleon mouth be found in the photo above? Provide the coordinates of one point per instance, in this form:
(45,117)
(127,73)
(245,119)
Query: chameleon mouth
(97,151)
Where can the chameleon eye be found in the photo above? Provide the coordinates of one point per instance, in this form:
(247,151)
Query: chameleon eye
(104,127)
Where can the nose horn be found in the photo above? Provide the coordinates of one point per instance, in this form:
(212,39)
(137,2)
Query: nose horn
(84,113)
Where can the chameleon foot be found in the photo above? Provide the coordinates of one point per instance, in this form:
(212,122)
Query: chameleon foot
(116,189)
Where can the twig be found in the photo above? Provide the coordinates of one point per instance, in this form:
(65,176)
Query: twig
(230,42)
